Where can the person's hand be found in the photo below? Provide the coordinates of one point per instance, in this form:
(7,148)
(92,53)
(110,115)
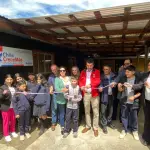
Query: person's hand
(64,90)
(88,86)
(113,84)
(82,88)
(127,84)
(17,116)
(51,90)
(25,93)
(5,92)
(101,89)
(131,98)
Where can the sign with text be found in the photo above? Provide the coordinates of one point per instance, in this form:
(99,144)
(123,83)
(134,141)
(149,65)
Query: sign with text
(15,57)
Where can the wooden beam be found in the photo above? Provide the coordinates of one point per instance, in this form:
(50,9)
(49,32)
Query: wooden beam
(113,19)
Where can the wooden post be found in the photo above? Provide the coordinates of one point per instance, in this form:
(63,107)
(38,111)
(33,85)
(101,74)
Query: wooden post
(137,60)
(146,58)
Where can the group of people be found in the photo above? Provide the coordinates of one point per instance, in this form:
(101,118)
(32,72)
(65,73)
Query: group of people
(63,96)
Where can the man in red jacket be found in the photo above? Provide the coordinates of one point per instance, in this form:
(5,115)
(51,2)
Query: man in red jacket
(90,80)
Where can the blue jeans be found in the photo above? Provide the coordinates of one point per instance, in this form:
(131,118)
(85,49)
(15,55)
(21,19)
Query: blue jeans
(61,114)
(129,117)
(54,109)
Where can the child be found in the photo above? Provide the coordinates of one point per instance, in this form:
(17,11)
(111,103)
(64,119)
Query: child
(9,121)
(17,78)
(129,101)
(41,101)
(22,109)
(72,112)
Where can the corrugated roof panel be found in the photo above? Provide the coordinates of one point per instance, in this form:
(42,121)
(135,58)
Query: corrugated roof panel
(132,35)
(40,20)
(85,37)
(114,26)
(112,11)
(141,7)
(61,18)
(93,28)
(85,15)
(43,31)
(115,36)
(99,37)
(137,24)
(72,38)
(59,30)
(147,34)
(75,29)
(21,21)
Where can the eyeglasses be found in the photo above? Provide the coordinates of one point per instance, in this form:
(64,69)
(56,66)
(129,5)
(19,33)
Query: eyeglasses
(62,70)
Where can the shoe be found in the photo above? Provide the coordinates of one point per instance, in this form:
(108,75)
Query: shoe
(111,126)
(105,130)
(62,130)
(7,138)
(14,134)
(28,135)
(123,134)
(53,127)
(86,130)
(21,137)
(144,142)
(41,132)
(95,133)
(30,128)
(75,134)
(65,135)
(135,135)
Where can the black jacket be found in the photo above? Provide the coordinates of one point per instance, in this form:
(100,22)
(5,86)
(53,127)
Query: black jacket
(5,100)
(137,89)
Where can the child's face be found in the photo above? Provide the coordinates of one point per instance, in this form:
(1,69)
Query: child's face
(31,77)
(129,74)
(19,79)
(74,82)
(22,87)
(39,81)
(9,81)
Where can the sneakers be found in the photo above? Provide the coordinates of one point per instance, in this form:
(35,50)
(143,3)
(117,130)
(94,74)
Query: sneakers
(7,138)
(53,127)
(14,134)
(21,137)
(112,126)
(65,135)
(62,130)
(105,130)
(75,134)
(135,135)
(123,134)
(28,135)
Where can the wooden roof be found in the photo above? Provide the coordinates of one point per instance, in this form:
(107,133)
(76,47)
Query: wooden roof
(115,30)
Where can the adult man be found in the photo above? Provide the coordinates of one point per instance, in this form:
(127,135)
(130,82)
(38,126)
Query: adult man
(107,98)
(89,80)
(51,82)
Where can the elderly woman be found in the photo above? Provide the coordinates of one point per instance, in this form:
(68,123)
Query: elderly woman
(61,84)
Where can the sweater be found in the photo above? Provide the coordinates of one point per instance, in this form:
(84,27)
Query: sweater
(59,85)
(73,96)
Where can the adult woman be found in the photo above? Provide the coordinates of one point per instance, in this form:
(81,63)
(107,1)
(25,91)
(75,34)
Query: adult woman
(75,72)
(146,103)
(61,84)
(7,92)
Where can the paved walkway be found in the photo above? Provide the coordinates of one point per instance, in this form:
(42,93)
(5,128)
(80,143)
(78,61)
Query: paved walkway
(54,141)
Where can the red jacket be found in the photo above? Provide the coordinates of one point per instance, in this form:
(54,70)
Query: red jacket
(95,81)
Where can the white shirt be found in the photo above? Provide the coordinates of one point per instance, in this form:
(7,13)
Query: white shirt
(147,90)
(12,91)
(88,80)
(66,81)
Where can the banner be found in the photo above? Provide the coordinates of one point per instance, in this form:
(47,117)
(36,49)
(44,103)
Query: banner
(15,57)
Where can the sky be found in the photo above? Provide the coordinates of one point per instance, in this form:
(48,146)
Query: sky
(35,8)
